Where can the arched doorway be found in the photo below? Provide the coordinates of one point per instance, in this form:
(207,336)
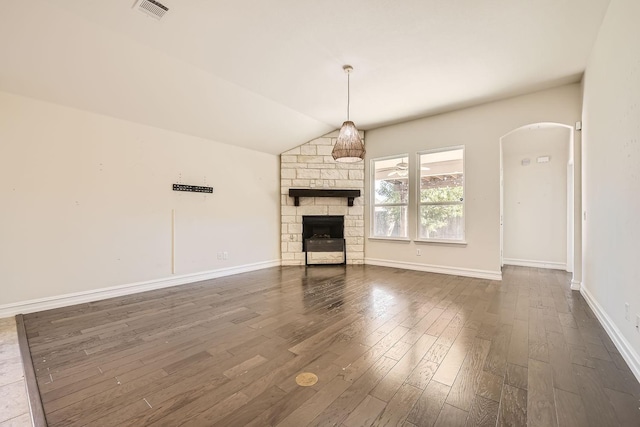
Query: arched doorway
(537,196)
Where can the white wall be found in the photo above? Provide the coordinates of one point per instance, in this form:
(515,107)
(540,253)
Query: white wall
(611,174)
(87,202)
(479,129)
(535,197)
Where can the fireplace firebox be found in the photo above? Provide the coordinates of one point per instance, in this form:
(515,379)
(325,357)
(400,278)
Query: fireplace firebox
(323,233)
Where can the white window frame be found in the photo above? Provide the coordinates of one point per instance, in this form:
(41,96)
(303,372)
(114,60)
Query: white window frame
(374,205)
(420,204)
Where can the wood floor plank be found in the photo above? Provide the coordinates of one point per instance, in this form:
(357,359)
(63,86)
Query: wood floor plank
(599,410)
(197,402)
(626,407)
(616,379)
(123,415)
(513,407)
(243,367)
(280,410)
(422,373)
(490,386)
(81,412)
(397,376)
(538,346)
(365,413)
(346,402)
(428,406)
(322,366)
(464,388)
(541,409)
(496,361)
(205,413)
(560,361)
(389,346)
(397,410)
(570,409)
(517,376)
(448,369)
(519,344)
(315,405)
(253,408)
(484,413)
(450,416)
(364,362)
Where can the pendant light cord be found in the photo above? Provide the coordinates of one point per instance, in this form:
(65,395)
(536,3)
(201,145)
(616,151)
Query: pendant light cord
(348,93)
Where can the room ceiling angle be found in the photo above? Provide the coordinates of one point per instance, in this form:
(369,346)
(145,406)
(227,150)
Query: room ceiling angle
(267,75)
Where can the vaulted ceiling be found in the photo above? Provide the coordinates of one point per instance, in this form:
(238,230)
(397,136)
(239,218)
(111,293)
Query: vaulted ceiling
(267,74)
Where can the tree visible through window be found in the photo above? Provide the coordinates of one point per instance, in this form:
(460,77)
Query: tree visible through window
(441,207)
(390,197)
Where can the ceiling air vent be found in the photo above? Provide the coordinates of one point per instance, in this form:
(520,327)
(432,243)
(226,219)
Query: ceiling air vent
(152,8)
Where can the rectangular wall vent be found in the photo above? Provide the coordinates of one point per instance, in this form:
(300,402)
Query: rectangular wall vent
(151,8)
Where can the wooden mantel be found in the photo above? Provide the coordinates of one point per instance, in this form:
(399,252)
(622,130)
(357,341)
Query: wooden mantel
(296,193)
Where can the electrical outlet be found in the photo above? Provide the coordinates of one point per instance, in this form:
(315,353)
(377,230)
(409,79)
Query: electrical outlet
(626,311)
(418,252)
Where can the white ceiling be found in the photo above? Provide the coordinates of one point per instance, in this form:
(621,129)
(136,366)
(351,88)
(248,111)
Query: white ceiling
(267,75)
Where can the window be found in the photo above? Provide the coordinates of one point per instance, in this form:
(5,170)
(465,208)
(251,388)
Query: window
(441,204)
(390,195)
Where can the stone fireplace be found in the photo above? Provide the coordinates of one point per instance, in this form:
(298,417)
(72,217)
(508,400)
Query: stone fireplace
(310,166)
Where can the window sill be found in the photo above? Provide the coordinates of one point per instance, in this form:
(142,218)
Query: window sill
(391,239)
(442,242)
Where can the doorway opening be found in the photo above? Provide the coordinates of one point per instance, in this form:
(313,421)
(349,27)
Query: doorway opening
(537,188)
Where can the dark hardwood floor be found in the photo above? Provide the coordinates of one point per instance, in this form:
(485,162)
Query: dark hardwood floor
(390,347)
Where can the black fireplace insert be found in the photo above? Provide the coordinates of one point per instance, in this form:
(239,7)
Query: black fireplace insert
(323,233)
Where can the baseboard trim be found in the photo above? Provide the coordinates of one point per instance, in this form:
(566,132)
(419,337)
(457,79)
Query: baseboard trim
(576,285)
(64,300)
(453,271)
(535,264)
(624,347)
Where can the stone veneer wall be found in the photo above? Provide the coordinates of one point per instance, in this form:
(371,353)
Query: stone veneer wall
(311,166)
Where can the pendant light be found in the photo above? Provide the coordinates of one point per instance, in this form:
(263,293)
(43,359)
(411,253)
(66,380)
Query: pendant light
(349,147)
